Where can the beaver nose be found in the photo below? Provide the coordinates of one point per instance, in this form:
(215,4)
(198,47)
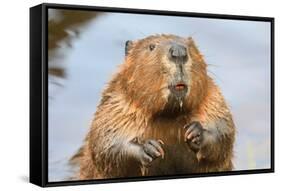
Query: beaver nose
(178,53)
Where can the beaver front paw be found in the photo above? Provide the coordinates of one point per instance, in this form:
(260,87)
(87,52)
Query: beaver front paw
(149,151)
(194,135)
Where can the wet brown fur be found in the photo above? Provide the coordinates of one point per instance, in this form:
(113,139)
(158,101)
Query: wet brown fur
(133,105)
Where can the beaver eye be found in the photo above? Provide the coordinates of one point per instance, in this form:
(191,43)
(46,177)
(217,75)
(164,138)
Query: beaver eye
(151,47)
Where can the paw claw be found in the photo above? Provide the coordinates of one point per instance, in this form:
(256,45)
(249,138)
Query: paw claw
(151,150)
(193,135)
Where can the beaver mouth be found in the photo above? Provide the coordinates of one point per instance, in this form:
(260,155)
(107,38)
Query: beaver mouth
(179,88)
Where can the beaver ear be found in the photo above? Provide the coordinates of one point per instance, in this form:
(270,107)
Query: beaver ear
(128,46)
(190,40)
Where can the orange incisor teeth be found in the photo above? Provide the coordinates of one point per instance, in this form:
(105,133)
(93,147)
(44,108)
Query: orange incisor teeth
(180,86)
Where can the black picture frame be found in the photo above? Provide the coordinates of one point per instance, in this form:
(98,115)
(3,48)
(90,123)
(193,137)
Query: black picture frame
(39,92)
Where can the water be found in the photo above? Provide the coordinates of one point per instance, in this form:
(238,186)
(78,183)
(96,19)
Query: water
(238,54)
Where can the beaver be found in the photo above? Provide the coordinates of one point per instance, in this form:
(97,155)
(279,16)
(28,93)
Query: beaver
(161,114)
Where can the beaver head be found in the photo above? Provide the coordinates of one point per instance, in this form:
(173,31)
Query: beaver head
(163,74)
